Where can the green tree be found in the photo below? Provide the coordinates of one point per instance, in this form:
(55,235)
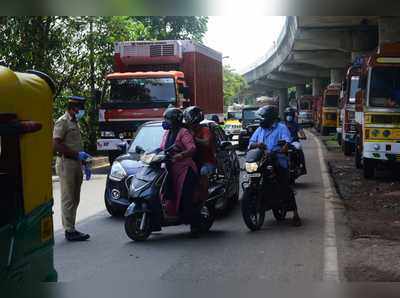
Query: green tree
(77,52)
(233,84)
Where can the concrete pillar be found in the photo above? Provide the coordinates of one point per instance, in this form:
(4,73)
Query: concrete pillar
(283,101)
(337,75)
(300,90)
(389,29)
(316,87)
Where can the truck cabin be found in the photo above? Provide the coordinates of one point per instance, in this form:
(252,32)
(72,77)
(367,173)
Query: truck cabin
(157,89)
(331,96)
(380,79)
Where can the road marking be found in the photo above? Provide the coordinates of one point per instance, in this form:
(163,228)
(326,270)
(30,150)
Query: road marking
(331,266)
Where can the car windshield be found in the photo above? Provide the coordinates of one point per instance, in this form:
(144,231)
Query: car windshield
(331,100)
(148,137)
(142,90)
(235,115)
(250,114)
(383,82)
(353,88)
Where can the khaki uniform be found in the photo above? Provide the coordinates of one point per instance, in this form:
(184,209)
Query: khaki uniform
(69,170)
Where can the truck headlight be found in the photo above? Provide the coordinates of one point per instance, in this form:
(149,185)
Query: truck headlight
(251,167)
(117,172)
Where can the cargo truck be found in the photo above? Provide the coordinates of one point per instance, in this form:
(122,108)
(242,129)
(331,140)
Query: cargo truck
(377,110)
(150,76)
(329,109)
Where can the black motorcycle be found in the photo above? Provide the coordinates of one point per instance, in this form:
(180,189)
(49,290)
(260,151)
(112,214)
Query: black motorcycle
(261,191)
(148,208)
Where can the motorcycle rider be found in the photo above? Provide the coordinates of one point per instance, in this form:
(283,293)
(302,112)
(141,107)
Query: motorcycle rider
(206,151)
(267,137)
(183,170)
(297,133)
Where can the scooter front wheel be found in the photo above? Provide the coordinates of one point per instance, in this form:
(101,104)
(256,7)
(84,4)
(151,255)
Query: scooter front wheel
(207,217)
(137,226)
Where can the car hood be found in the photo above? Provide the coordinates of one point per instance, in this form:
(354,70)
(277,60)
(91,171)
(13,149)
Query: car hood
(130,163)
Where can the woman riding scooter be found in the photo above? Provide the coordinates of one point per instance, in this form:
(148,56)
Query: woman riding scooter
(183,171)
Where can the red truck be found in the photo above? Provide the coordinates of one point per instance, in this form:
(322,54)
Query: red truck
(151,76)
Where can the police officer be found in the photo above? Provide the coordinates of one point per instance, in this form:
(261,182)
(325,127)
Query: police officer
(68,145)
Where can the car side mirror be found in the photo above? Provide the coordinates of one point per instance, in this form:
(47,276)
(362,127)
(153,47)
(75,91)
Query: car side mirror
(123,147)
(186,92)
(139,150)
(226,145)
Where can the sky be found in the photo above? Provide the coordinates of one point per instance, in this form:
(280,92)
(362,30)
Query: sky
(242,38)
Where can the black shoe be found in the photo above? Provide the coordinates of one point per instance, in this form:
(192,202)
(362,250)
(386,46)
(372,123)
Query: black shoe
(296,221)
(76,236)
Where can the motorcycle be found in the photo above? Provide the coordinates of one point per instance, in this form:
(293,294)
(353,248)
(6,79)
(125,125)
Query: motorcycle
(261,191)
(149,206)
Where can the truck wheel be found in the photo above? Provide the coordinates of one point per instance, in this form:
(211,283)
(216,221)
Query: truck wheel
(347,148)
(369,168)
(324,131)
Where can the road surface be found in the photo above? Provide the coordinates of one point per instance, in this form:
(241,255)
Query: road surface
(278,252)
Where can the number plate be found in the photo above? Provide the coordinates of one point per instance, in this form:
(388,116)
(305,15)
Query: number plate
(254,175)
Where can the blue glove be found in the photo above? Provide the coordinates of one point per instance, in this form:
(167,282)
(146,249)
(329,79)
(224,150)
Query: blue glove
(83,155)
(88,172)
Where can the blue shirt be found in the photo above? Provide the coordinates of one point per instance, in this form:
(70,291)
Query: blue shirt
(270,137)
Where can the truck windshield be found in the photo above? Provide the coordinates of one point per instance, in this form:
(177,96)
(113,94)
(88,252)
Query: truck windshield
(250,114)
(384,81)
(305,105)
(331,100)
(142,90)
(353,88)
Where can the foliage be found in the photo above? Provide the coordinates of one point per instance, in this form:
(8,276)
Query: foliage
(77,52)
(233,84)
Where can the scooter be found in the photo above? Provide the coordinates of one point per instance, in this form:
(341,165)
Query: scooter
(148,191)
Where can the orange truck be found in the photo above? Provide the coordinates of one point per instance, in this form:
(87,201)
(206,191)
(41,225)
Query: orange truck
(151,76)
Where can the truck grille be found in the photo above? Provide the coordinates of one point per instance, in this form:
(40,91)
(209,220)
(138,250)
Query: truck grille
(159,50)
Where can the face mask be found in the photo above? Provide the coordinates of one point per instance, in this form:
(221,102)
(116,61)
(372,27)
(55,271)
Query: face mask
(266,123)
(289,118)
(80,114)
(166,125)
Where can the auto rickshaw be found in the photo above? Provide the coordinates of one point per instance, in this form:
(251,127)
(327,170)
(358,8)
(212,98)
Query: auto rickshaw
(26,220)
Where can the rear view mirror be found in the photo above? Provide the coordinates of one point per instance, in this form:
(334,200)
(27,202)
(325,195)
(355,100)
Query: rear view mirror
(139,150)
(226,145)
(123,147)
(186,92)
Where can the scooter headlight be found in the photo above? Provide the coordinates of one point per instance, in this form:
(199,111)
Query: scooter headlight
(117,172)
(251,167)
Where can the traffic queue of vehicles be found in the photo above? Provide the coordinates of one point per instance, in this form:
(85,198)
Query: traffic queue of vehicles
(365,110)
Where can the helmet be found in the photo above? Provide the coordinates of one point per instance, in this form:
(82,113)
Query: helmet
(289,111)
(174,116)
(193,115)
(268,115)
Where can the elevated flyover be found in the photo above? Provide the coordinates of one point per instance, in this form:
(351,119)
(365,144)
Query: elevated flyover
(316,50)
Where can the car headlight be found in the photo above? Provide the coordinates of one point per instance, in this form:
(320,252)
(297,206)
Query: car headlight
(117,172)
(251,167)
